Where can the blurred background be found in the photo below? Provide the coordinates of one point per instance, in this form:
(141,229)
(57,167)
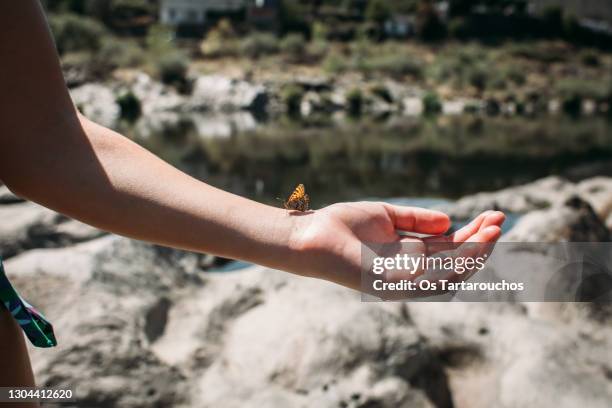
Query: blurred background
(354,98)
(460,105)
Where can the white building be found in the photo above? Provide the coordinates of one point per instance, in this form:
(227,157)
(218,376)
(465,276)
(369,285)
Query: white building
(175,12)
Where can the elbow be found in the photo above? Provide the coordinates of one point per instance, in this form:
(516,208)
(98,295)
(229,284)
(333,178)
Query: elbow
(30,160)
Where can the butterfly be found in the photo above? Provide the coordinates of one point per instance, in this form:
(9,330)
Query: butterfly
(298,200)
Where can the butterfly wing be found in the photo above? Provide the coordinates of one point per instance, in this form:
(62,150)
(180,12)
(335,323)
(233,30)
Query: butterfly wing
(306,202)
(298,200)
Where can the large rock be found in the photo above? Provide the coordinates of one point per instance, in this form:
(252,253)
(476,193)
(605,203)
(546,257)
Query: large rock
(540,194)
(545,202)
(107,300)
(219,93)
(97,102)
(574,221)
(155,97)
(140,325)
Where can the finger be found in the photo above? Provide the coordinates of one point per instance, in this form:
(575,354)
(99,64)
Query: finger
(486,235)
(470,229)
(445,242)
(418,220)
(460,235)
(495,218)
(482,221)
(480,245)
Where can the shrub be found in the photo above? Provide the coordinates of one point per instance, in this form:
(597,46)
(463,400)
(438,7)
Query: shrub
(259,44)
(516,75)
(220,41)
(317,49)
(159,39)
(293,46)
(319,31)
(395,64)
(354,100)
(431,103)
(172,68)
(120,53)
(545,53)
(335,63)
(130,106)
(76,33)
(479,78)
(292,98)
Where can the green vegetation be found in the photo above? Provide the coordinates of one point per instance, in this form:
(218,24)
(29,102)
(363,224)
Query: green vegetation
(354,97)
(170,63)
(257,45)
(431,103)
(293,46)
(130,106)
(221,41)
(172,68)
(533,58)
(76,33)
(292,97)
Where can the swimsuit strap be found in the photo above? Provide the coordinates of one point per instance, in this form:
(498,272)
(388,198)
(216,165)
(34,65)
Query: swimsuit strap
(36,327)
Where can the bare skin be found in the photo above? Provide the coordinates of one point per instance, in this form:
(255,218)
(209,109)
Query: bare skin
(54,156)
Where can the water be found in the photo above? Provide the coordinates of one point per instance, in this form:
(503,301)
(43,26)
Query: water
(342,160)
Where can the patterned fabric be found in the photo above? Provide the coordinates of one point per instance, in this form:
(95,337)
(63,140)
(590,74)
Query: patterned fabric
(38,330)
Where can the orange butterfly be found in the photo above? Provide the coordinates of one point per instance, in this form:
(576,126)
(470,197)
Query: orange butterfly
(298,200)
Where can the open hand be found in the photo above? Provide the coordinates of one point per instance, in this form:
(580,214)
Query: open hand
(330,239)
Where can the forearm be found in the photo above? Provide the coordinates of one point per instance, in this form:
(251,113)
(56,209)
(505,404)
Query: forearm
(99,177)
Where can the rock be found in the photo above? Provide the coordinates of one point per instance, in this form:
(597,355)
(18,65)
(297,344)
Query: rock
(219,93)
(7,196)
(313,102)
(540,194)
(412,106)
(454,107)
(574,221)
(27,225)
(97,102)
(357,354)
(493,350)
(139,325)
(154,96)
(598,192)
(157,332)
(378,106)
(100,297)
(315,84)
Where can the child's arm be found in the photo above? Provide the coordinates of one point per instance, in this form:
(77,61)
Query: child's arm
(52,155)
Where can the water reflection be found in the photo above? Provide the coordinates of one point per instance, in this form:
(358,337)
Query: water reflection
(344,159)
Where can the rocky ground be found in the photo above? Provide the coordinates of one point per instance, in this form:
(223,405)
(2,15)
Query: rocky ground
(144,326)
(217,103)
